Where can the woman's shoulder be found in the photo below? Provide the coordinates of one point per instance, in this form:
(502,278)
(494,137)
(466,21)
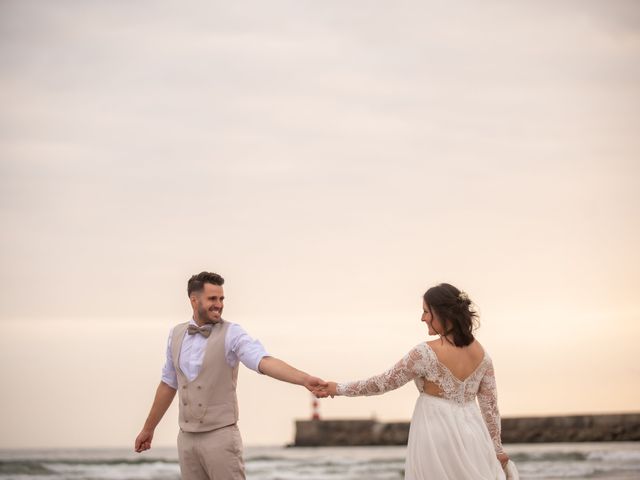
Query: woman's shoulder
(479,351)
(482,351)
(438,343)
(486,358)
(418,358)
(476,343)
(423,345)
(420,349)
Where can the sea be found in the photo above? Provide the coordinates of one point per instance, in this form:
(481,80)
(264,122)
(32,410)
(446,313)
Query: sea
(550,461)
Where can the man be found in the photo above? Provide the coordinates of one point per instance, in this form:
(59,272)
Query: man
(202,365)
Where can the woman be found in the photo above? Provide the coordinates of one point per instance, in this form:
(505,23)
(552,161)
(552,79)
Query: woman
(450,436)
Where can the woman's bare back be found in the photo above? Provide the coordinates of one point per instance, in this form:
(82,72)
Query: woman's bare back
(461,362)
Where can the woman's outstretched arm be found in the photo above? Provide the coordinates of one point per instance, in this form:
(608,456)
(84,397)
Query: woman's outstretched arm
(402,372)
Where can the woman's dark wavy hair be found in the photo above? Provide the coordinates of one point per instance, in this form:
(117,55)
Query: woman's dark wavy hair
(455,311)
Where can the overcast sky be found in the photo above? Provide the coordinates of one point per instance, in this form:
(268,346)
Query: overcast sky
(332,160)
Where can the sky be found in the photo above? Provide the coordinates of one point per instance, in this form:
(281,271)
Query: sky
(332,160)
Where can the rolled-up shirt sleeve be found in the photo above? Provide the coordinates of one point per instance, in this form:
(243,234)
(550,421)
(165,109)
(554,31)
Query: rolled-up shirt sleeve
(169,375)
(240,346)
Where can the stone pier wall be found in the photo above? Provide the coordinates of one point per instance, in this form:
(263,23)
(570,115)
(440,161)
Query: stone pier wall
(575,428)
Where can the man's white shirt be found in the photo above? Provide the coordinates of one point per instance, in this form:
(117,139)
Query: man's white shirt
(238,347)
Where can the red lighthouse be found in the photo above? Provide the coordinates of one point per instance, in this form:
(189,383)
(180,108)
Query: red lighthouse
(315,413)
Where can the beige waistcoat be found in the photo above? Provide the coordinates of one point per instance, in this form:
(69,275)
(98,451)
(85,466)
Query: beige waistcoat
(209,401)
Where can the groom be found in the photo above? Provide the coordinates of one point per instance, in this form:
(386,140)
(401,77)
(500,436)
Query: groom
(202,365)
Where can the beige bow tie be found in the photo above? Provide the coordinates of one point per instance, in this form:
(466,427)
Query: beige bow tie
(205,330)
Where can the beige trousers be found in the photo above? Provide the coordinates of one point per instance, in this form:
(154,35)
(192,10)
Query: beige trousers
(214,455)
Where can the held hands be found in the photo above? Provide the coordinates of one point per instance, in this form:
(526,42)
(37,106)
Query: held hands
(315,385)
(324,389)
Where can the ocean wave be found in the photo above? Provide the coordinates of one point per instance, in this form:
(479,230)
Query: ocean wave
(549,457)
(606,456)
(617,456)
(50,467)
(266,458)
(21,467)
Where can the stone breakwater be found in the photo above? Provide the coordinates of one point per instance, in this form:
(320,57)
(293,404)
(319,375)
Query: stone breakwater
(572,428)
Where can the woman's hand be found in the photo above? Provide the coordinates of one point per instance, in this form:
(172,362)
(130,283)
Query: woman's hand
(315,385)
(325,390)
(331,389)
(503,458)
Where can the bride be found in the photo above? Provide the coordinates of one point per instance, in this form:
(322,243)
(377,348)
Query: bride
(450,436)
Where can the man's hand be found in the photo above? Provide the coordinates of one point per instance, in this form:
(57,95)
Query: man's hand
(316,385)
(143,440)
(164,397)
(324,390)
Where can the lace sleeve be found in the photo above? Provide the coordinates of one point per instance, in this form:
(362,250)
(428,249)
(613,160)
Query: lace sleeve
(488,402)
(402,372)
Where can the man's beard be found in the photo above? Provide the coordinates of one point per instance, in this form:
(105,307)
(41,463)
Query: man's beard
(204,314)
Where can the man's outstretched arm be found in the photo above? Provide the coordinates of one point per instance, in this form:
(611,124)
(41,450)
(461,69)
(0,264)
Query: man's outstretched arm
(280,370)
(161,402)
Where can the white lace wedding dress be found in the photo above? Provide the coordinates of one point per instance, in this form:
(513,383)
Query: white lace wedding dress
(451,437)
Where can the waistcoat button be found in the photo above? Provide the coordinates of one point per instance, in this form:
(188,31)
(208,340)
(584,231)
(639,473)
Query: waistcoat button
(186,421)
(199,404)
(200,421)
(184,403)
(199,386)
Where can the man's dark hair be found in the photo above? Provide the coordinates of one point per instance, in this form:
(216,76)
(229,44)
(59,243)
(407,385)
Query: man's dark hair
(196,282)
